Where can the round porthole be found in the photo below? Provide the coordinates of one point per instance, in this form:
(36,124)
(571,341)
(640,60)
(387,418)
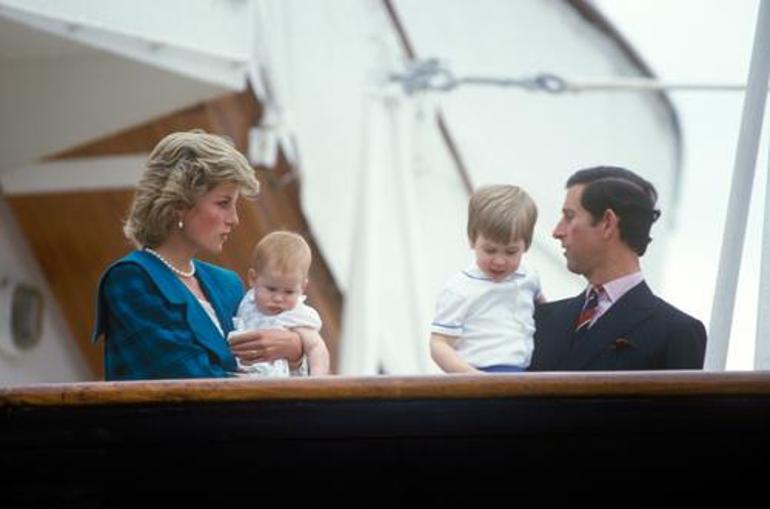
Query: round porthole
(22,317)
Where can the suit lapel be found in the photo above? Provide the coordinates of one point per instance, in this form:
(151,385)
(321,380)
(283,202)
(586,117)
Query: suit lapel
(554,334)
(631,309)
(176,292)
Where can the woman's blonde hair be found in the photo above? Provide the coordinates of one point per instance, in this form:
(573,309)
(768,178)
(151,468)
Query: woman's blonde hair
(282,251)
(182,167)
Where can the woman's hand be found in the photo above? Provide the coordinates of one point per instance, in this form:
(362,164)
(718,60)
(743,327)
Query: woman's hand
(266,345)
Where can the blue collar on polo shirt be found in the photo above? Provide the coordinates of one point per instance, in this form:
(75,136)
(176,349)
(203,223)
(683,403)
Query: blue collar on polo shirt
(474,272)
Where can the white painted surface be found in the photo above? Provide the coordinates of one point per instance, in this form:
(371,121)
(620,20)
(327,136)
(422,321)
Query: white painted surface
(56,358)
(51,104)
(91,173)
(76,70)
(208,43)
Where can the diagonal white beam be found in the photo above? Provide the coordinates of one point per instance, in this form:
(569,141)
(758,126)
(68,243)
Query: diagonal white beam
(762,350)
(740,194)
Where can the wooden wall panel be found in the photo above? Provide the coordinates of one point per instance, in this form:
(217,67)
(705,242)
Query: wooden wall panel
(432,441)
(75,235)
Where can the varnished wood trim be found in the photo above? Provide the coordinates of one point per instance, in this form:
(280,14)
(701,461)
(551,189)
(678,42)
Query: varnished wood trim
(653,384)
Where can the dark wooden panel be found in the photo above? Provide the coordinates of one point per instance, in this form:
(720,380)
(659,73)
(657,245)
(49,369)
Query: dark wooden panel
(75,235)
(438,441)
(627,384)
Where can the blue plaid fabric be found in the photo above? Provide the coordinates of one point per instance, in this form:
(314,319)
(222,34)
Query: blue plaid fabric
(154,327)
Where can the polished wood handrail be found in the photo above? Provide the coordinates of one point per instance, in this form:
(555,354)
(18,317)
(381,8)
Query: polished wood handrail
(572,385)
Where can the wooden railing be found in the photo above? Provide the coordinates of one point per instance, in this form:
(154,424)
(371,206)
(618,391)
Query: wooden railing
(620,384)
(440,440)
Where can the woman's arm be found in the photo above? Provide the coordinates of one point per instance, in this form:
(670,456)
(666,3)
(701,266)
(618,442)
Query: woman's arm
(266,345)
(443,353)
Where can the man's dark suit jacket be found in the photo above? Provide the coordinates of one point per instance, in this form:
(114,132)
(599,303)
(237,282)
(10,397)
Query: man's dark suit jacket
(639,332)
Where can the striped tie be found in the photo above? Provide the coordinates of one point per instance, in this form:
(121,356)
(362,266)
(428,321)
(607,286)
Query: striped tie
(589,309)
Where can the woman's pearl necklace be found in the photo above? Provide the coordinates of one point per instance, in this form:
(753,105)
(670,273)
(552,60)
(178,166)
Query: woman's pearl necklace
(189,273)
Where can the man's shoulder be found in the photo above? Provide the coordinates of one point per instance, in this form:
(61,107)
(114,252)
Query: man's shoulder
(554,310)
(557,304)
(672,313)
(662,311)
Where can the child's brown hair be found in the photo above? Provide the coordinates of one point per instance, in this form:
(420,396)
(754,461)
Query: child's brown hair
(501,213)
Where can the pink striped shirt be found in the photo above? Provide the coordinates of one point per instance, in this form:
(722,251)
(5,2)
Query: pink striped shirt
(614,290)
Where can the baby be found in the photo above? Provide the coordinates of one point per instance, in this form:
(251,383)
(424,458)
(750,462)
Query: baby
(277,278)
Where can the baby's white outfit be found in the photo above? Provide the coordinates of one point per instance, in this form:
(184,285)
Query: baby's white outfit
(249,317)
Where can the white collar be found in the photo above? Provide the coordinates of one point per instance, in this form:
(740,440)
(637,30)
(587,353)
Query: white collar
(474,272)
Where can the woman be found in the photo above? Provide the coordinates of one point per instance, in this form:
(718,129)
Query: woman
(163,313)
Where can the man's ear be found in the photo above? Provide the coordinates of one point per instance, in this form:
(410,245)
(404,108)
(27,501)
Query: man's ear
(251,276)
(610,223)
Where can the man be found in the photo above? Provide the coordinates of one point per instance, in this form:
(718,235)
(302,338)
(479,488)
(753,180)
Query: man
(617,323)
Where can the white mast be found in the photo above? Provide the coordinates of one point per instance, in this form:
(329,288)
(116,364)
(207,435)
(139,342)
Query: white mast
(740,195)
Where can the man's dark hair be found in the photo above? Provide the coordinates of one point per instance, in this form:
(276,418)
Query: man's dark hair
(628,195)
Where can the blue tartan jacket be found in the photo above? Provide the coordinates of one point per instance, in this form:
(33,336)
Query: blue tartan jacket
(154,327)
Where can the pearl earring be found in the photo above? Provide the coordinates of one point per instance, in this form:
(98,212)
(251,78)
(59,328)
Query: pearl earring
(180,224)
